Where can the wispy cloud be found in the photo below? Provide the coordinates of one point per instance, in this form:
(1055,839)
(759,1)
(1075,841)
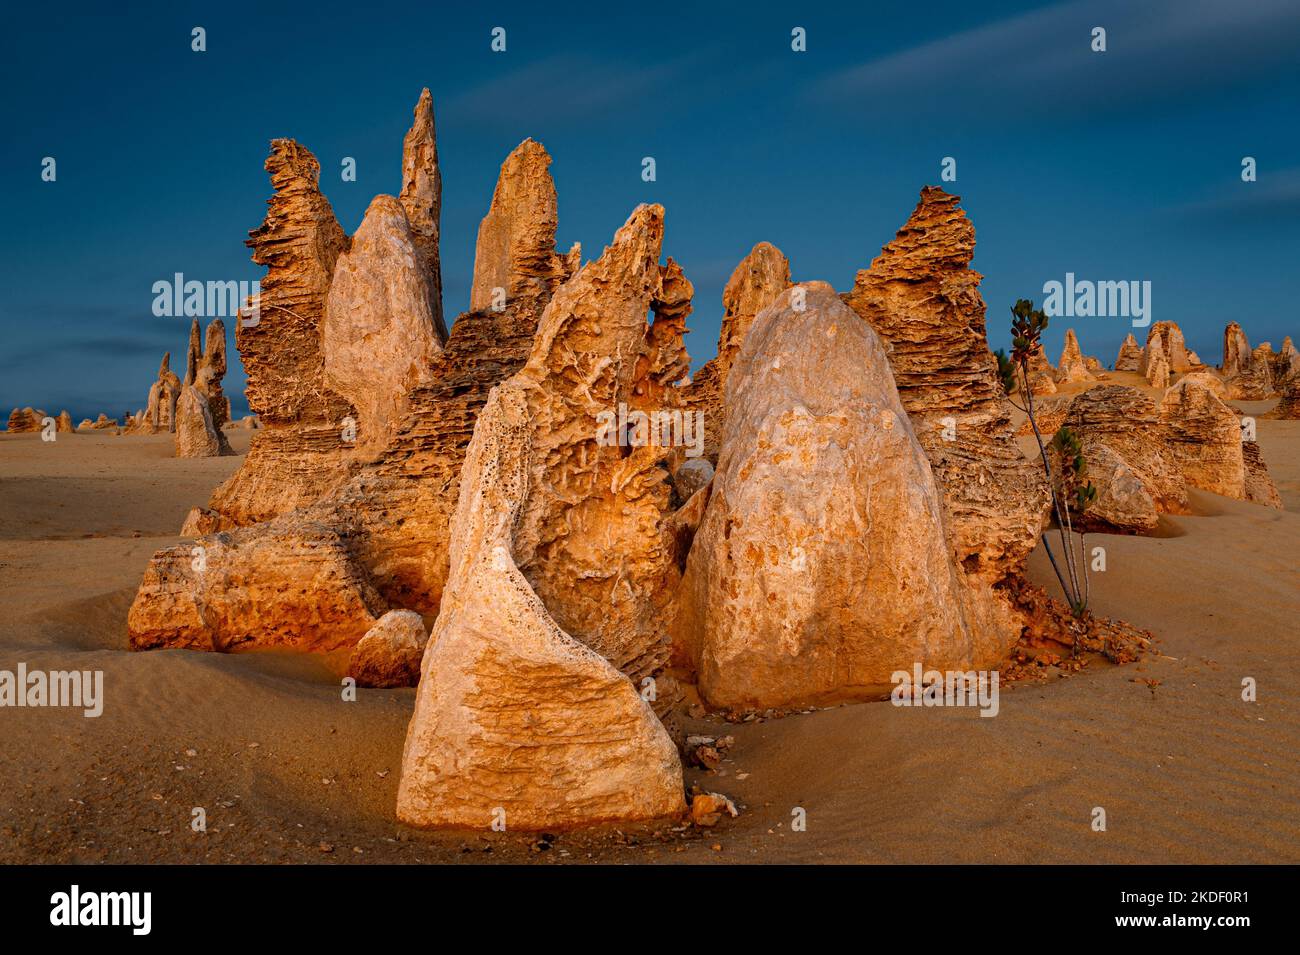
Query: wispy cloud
(562,88)
(1273,199)
(1044,58)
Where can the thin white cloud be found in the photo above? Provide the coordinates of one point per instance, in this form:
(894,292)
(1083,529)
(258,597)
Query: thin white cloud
(561,88)
(1045,56)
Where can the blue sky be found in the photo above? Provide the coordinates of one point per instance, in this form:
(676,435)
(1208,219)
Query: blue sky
(1123,165)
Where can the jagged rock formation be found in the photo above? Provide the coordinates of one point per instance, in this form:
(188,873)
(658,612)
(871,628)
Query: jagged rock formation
(301,450)
(1204,437)
(160,408)
(1194,360)
(1259,487)
(421,200)
(202,410)
(1130,355)
(389,654)
(1124,444)
(1094,367)
(1155,365)
(559,548)
(514,260)
(296,588)
(1071,366)
(102,423)
(1236,350)
(1247,374)
(211,368)
(1286,364)
(1172,347)
(1254,382)
(25,420)
(392,517)
(197,436)
(820,470)
(193,353)
(1289,406)
(65,425)
(754,284)
(378,337)
(922,298)
(1207,440)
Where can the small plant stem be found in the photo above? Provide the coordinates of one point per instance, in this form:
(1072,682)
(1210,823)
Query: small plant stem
(1051,487)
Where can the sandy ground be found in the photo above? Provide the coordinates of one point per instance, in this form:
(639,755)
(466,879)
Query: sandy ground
(286,771)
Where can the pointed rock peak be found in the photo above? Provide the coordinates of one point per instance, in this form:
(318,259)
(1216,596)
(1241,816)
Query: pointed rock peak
(755,284)
(377,337)
(1130,355)
(165,367)
(515,255)
(194,353)
(421,198)
(937,236)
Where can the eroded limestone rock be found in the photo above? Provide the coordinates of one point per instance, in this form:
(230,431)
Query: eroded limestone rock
(822,566)
(389,654)
(559,562)
(301,450)
(422,201)
(1124,443)
(378,337)
(1172,347)
(1130,355)
(1072,366)
(754,284)
(922,298)
(514,258)
(1205,437)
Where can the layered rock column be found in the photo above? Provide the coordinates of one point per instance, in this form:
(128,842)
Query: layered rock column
(922,298)
(1172,347)
(300,451)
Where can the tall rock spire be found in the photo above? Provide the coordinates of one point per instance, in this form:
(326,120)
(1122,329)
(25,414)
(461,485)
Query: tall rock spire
(421,198)
(515,251)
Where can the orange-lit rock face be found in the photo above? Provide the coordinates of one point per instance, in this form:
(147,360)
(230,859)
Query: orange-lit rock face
(922,298)
(560,559)
(756,282)
(378,336)
(821,565)
(1129,461)
(300,451)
